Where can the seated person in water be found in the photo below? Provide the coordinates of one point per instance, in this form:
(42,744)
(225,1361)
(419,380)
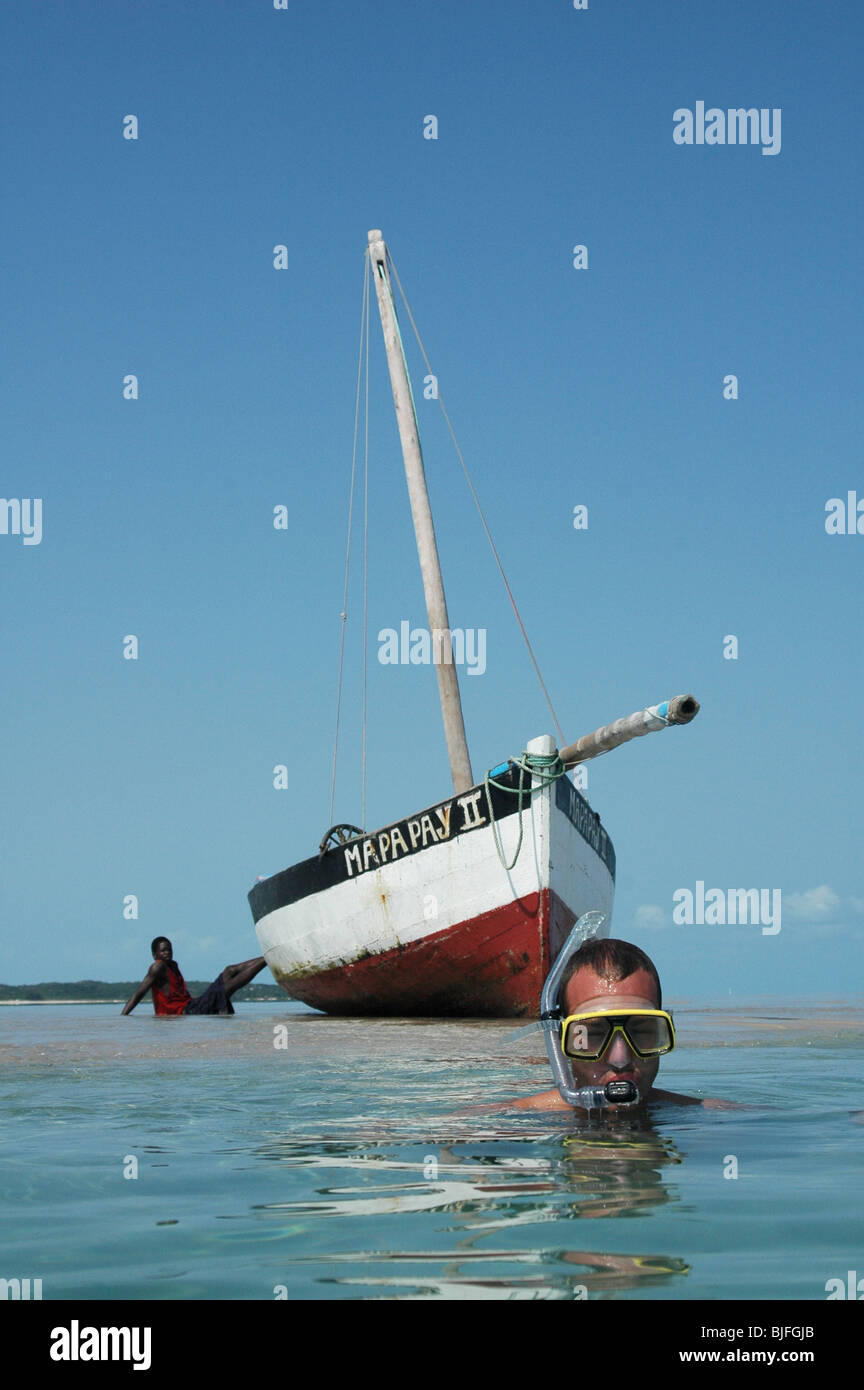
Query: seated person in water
(604,985)
(170,995)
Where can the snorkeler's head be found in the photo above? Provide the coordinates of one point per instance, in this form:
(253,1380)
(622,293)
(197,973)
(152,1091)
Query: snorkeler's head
(611,960)
(612,978)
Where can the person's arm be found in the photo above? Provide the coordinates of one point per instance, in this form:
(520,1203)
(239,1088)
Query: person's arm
(710,1102)
(153,977)
(544,1100)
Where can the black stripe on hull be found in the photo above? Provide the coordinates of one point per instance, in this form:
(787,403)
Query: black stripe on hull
(458,815)
(586,821)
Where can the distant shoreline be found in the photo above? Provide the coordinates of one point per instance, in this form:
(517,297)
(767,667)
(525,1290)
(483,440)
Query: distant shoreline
(23,1003)
(19,1003)
(116,992)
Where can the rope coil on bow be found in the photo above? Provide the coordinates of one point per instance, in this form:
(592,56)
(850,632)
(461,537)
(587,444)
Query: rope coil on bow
(546,768)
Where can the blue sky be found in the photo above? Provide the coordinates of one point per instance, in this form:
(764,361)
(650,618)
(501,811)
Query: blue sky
(601,387)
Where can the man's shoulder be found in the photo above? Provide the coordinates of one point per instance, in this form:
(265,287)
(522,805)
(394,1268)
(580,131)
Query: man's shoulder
(673,1097)
(551,1100)
(543,1100)
(709,1102)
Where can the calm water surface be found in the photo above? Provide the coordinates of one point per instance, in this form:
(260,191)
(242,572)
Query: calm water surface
(344,1165)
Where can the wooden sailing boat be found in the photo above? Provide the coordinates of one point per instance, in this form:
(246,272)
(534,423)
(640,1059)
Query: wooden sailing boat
(460,908)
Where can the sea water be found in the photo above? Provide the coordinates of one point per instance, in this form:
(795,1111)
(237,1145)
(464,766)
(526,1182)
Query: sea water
(284,1154)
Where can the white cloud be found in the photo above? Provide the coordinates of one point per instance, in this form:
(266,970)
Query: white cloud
(649,915)
(817,930)
(815,905)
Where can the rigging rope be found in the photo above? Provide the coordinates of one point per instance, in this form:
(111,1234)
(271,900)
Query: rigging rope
(547,768)
(560,731)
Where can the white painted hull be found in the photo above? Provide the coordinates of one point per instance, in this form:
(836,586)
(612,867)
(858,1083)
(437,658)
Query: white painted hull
(446,928)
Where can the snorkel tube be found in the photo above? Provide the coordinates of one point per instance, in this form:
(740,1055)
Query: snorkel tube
(584,1097)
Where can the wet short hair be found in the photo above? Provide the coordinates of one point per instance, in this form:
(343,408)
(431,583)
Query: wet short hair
(612,960)
(155,942)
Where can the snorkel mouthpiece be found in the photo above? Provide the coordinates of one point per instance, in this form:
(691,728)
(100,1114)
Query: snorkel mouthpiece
(584,1097)
(622,1093)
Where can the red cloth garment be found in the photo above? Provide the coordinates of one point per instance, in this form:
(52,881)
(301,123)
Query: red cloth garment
(174,999)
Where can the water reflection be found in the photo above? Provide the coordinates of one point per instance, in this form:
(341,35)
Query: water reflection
(596,1275)
(468,1194)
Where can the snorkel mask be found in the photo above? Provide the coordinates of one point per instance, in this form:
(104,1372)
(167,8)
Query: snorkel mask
(649,1032)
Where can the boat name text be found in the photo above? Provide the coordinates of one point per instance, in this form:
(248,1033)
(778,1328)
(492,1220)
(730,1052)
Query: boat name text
(586,821)
(406,837)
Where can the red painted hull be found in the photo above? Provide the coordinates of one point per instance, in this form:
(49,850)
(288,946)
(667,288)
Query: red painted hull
(500,958)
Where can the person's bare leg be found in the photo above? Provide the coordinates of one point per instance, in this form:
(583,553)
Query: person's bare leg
(234,977)
(231,970)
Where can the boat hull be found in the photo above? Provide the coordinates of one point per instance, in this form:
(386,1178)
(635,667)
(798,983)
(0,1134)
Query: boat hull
(453,912)
(492,965)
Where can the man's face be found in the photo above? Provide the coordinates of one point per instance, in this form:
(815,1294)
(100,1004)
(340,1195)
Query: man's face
(163,950)
(587,991)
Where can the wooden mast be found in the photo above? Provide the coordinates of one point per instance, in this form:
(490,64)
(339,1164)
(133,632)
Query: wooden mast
(424,530)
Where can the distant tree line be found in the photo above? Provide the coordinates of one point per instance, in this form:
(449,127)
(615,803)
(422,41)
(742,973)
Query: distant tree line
(101,992)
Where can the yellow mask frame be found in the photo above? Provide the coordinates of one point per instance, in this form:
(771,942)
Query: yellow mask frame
(616,1023)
